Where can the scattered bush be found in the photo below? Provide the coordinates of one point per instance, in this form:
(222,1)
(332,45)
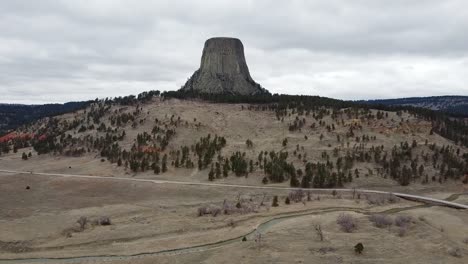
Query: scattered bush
(104,220)
(68,232)
(229,208)
(213,210)
(287,201)
(375,200)
(378,199)
(296,195)
(381,221)
(325,250)
(403,220)
(202,211)
(346,222)
(455,252)
(391,198)
(82,221)
(402,231)
(244,239)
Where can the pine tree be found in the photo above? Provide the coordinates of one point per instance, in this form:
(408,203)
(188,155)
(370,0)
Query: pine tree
(305,182)
(164,163)
(211,174)
(156,169)
(358,248)
(218,170)
(294,182)
(275,201)
(225,169)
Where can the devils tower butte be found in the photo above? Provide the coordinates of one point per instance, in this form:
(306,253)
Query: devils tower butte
(223,69)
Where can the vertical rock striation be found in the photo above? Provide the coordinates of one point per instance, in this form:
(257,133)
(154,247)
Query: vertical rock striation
(223,70)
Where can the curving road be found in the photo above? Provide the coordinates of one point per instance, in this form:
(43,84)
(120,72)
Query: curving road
(419,198)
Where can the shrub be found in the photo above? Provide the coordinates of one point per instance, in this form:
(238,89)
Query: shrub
(82,221)
(346,222)
(325,250)
(244,239)
(296,195)
(202,211)
(104,220)
(455,252)
(381,221)
(229,208)
(402,230)
(287,201)
(358,248)
(378,200)
(215,211)
(403,220)
(375,199)
(392,198)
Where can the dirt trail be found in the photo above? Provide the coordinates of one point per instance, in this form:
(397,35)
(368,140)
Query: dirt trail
(209,246)
(262,227)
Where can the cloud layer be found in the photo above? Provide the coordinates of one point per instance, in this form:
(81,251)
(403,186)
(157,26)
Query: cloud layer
(58,51)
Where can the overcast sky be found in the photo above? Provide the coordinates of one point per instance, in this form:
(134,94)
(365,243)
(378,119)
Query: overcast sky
(58,51)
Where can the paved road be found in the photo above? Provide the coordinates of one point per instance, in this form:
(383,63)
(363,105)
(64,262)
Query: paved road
(226,185)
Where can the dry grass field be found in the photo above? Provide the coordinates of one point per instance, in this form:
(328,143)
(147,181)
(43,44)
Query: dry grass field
(39,224)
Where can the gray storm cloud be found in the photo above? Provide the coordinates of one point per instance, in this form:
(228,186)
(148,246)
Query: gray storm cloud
(57,51)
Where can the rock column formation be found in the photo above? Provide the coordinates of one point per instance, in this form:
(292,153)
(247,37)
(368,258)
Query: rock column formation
(223,70)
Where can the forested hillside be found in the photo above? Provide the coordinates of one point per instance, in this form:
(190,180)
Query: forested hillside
(457,105)
(15,115)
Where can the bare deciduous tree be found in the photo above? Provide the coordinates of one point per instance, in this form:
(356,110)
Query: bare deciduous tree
(263,199)
(258,239)
(318,231)
(82,221)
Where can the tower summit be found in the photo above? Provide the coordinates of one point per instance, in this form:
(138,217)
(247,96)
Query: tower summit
(223,69)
